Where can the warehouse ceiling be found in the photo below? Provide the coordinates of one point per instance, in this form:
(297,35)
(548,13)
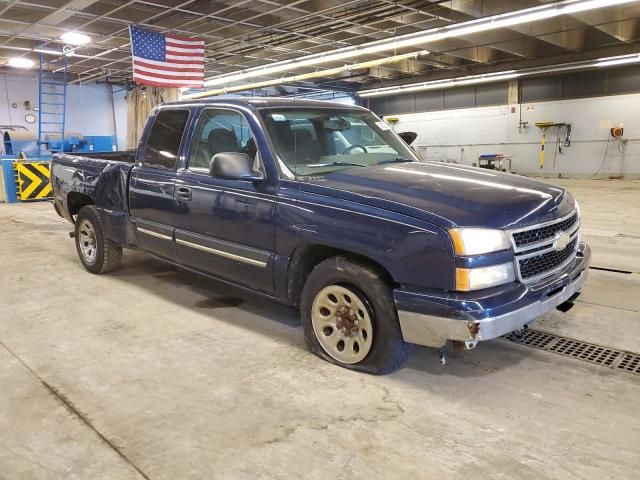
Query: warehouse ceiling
(247,33)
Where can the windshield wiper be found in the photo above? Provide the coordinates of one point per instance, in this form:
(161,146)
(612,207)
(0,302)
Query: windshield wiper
(394,160)
(336,164)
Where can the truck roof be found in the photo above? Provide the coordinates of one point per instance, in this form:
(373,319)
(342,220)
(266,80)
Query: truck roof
(267,102)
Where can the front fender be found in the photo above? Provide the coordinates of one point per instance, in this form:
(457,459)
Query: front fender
(412,251)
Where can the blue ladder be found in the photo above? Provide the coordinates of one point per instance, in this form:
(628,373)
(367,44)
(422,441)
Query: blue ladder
(52,101)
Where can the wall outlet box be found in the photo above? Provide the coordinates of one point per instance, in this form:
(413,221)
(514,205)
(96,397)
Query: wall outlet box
(617,132)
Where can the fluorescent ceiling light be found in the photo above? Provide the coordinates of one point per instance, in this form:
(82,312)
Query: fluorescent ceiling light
(47,51)
(497,76)
(438,84)
(21,62)
(35,50)
(75,38)
(503,20)
(487,78)
(621,60)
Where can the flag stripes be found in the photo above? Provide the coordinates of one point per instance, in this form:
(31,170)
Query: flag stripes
(166,60)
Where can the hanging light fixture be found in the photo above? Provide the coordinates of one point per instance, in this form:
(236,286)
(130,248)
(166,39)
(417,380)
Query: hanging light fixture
(75,38)
(21,62)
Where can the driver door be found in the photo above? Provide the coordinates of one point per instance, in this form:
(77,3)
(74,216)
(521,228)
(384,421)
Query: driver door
(224,227)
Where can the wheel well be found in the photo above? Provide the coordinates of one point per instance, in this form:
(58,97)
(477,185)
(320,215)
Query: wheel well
(75,201)
(306,257)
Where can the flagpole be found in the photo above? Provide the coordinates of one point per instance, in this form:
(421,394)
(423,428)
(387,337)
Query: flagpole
(133,73)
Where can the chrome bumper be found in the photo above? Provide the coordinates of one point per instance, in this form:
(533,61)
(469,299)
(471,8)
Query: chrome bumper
(435,331)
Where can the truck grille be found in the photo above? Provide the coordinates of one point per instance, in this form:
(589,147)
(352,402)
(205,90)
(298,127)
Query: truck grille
(539,264)
(539,249)
(535,235)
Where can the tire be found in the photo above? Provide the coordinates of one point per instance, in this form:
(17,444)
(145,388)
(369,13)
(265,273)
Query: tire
(97,253)
(363,316)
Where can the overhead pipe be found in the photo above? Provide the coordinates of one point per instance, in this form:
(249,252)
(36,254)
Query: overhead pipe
(306,76)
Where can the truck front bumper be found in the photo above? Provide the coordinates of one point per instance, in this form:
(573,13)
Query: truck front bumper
(433,318)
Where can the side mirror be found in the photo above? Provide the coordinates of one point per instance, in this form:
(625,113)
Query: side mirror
(408,137)
(233,166)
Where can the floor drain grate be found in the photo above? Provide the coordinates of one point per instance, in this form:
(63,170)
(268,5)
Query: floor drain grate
(630,363)
(588,352)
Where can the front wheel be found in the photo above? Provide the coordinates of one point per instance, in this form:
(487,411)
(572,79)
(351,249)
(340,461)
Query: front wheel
(97,253)
(349,317)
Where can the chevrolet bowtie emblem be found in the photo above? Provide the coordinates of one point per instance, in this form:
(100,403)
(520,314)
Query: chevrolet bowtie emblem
(562,240)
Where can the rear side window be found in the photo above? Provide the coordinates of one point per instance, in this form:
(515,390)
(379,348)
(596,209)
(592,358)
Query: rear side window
(220,131)
(164,139)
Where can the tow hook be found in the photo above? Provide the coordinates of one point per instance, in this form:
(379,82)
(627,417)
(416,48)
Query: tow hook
(462,345)
(474,332)
(518,335)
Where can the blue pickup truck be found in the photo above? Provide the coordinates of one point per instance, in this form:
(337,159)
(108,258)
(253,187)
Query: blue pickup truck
(323,207)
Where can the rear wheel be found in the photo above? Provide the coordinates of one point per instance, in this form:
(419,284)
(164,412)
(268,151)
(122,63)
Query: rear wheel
(349,317)
(97,253)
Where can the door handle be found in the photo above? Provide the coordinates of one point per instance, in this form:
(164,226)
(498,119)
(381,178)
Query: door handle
(183,193)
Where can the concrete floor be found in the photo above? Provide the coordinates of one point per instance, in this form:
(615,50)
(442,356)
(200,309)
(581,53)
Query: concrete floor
(152,372)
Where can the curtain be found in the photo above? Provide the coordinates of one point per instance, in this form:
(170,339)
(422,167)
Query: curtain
(140,102)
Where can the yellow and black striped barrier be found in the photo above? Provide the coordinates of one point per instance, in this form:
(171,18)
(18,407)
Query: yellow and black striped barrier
(32,180)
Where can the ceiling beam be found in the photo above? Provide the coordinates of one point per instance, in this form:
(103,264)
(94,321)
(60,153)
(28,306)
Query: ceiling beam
(55,18)
(569,57)
(267,45)
(552,30)
(244,33)
(8,6)
(619,22)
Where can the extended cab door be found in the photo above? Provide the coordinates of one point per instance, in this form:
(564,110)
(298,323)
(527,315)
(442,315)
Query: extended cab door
(152,186)
(224,227)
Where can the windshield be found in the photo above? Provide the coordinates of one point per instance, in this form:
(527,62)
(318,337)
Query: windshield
(318,141)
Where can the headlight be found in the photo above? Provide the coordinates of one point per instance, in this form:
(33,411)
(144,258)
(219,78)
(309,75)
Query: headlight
(475,241)
(484,277)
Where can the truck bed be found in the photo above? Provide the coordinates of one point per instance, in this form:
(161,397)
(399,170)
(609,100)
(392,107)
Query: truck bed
(102,180)
(102,177)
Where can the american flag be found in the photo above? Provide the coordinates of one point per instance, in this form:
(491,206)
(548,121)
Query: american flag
(164,60)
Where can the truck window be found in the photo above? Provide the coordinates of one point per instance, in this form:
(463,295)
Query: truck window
(164,140)
(322,140)
(220,131)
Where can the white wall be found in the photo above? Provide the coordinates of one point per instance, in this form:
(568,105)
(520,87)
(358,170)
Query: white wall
(16,88)
(462,135)
(90,107)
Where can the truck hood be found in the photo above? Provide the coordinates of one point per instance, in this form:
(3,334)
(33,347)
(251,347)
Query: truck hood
(447,194)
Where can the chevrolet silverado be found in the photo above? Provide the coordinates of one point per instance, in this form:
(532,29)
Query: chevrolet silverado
(324,208)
